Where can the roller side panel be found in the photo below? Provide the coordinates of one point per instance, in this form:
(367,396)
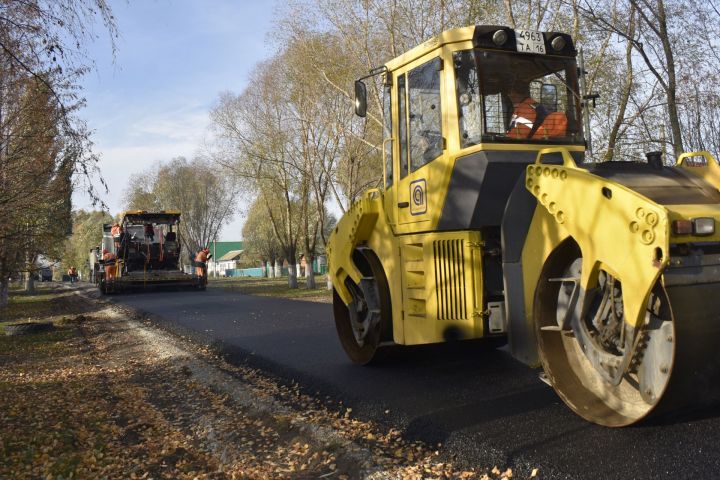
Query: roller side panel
(617,229)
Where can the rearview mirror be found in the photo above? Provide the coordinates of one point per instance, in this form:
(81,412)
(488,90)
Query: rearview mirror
(360,99)
(548,96)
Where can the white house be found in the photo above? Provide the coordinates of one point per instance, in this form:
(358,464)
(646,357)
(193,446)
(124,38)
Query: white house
(217,267)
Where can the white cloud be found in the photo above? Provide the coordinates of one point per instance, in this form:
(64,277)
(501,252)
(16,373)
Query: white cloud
(117,164)
(179,124)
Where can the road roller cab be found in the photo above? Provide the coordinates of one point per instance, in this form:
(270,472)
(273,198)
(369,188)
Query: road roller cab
(490,227)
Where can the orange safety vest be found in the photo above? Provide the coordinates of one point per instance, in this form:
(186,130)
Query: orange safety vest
(523,121)
(109,269)
(201,256)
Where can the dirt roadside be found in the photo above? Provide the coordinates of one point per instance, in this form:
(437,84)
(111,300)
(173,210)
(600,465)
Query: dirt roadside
(106,395)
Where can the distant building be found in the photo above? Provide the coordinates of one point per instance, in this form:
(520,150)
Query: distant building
(44,269)
(224,256)
(229,261)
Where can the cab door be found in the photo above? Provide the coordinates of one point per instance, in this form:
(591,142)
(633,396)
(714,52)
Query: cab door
(420,140)
(388,146)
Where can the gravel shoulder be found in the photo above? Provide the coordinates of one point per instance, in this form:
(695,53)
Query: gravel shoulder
(107,394)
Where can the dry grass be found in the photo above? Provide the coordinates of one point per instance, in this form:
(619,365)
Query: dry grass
(31,306)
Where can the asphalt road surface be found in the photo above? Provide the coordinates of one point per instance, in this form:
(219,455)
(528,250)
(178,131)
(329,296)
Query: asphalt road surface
(483,407)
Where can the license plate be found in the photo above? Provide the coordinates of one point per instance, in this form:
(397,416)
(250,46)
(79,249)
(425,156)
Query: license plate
(529,41)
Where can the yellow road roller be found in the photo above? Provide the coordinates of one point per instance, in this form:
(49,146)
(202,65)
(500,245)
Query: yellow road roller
(492,226)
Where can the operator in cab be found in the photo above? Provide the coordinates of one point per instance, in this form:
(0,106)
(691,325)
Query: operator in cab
(504,97)
(530,119)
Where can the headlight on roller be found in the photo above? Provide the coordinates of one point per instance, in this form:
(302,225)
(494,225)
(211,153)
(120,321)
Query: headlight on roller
(499,37)
(558,43)
(703,226)
(682,227)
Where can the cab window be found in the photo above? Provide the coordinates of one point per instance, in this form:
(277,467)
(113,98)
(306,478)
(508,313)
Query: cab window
(402,126)
(507,97)
(424,113)
(387,135)
(469,101)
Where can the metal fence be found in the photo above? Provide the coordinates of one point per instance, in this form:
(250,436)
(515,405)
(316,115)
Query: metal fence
(260,272)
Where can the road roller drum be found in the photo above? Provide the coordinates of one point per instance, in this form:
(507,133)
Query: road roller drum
(615,375)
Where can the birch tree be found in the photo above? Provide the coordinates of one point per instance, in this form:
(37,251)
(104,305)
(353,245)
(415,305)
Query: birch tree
(258,236)
(254,128)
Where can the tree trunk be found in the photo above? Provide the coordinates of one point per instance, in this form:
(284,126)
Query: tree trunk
(309,273)
(292,267)
(292,276)
(672,82)
(4,290)
(326,264)
(509,12)
(625,95)
(29,282)
(278,269)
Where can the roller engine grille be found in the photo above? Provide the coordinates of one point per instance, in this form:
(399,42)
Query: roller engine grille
(450,279)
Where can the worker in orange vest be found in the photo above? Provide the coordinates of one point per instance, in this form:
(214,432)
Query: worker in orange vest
(116,232)
(531,119)
(149,232)
(72,273)
(200,262)
(109,259)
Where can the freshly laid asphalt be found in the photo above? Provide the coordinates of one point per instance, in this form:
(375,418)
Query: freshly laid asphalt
(483,407)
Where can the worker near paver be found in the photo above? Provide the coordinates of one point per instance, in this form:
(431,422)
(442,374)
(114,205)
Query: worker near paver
(150,232)
(200,261)
(109,260)
(116,232)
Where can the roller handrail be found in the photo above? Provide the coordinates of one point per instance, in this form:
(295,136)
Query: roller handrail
(701,153)
(567,158)
(373,193)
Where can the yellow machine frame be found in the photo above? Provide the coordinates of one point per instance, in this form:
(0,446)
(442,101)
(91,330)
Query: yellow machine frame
(425,309)
(578,234)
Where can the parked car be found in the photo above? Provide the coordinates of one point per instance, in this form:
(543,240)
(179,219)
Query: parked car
(43,275)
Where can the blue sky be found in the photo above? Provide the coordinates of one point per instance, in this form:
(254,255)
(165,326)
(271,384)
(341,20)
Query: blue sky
(174,57)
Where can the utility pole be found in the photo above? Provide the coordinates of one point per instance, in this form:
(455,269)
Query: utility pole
(215,259)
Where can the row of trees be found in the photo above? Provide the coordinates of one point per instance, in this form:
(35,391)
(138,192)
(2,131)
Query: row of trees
(45,148)
(292,143)
(291,139)
(86,234)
